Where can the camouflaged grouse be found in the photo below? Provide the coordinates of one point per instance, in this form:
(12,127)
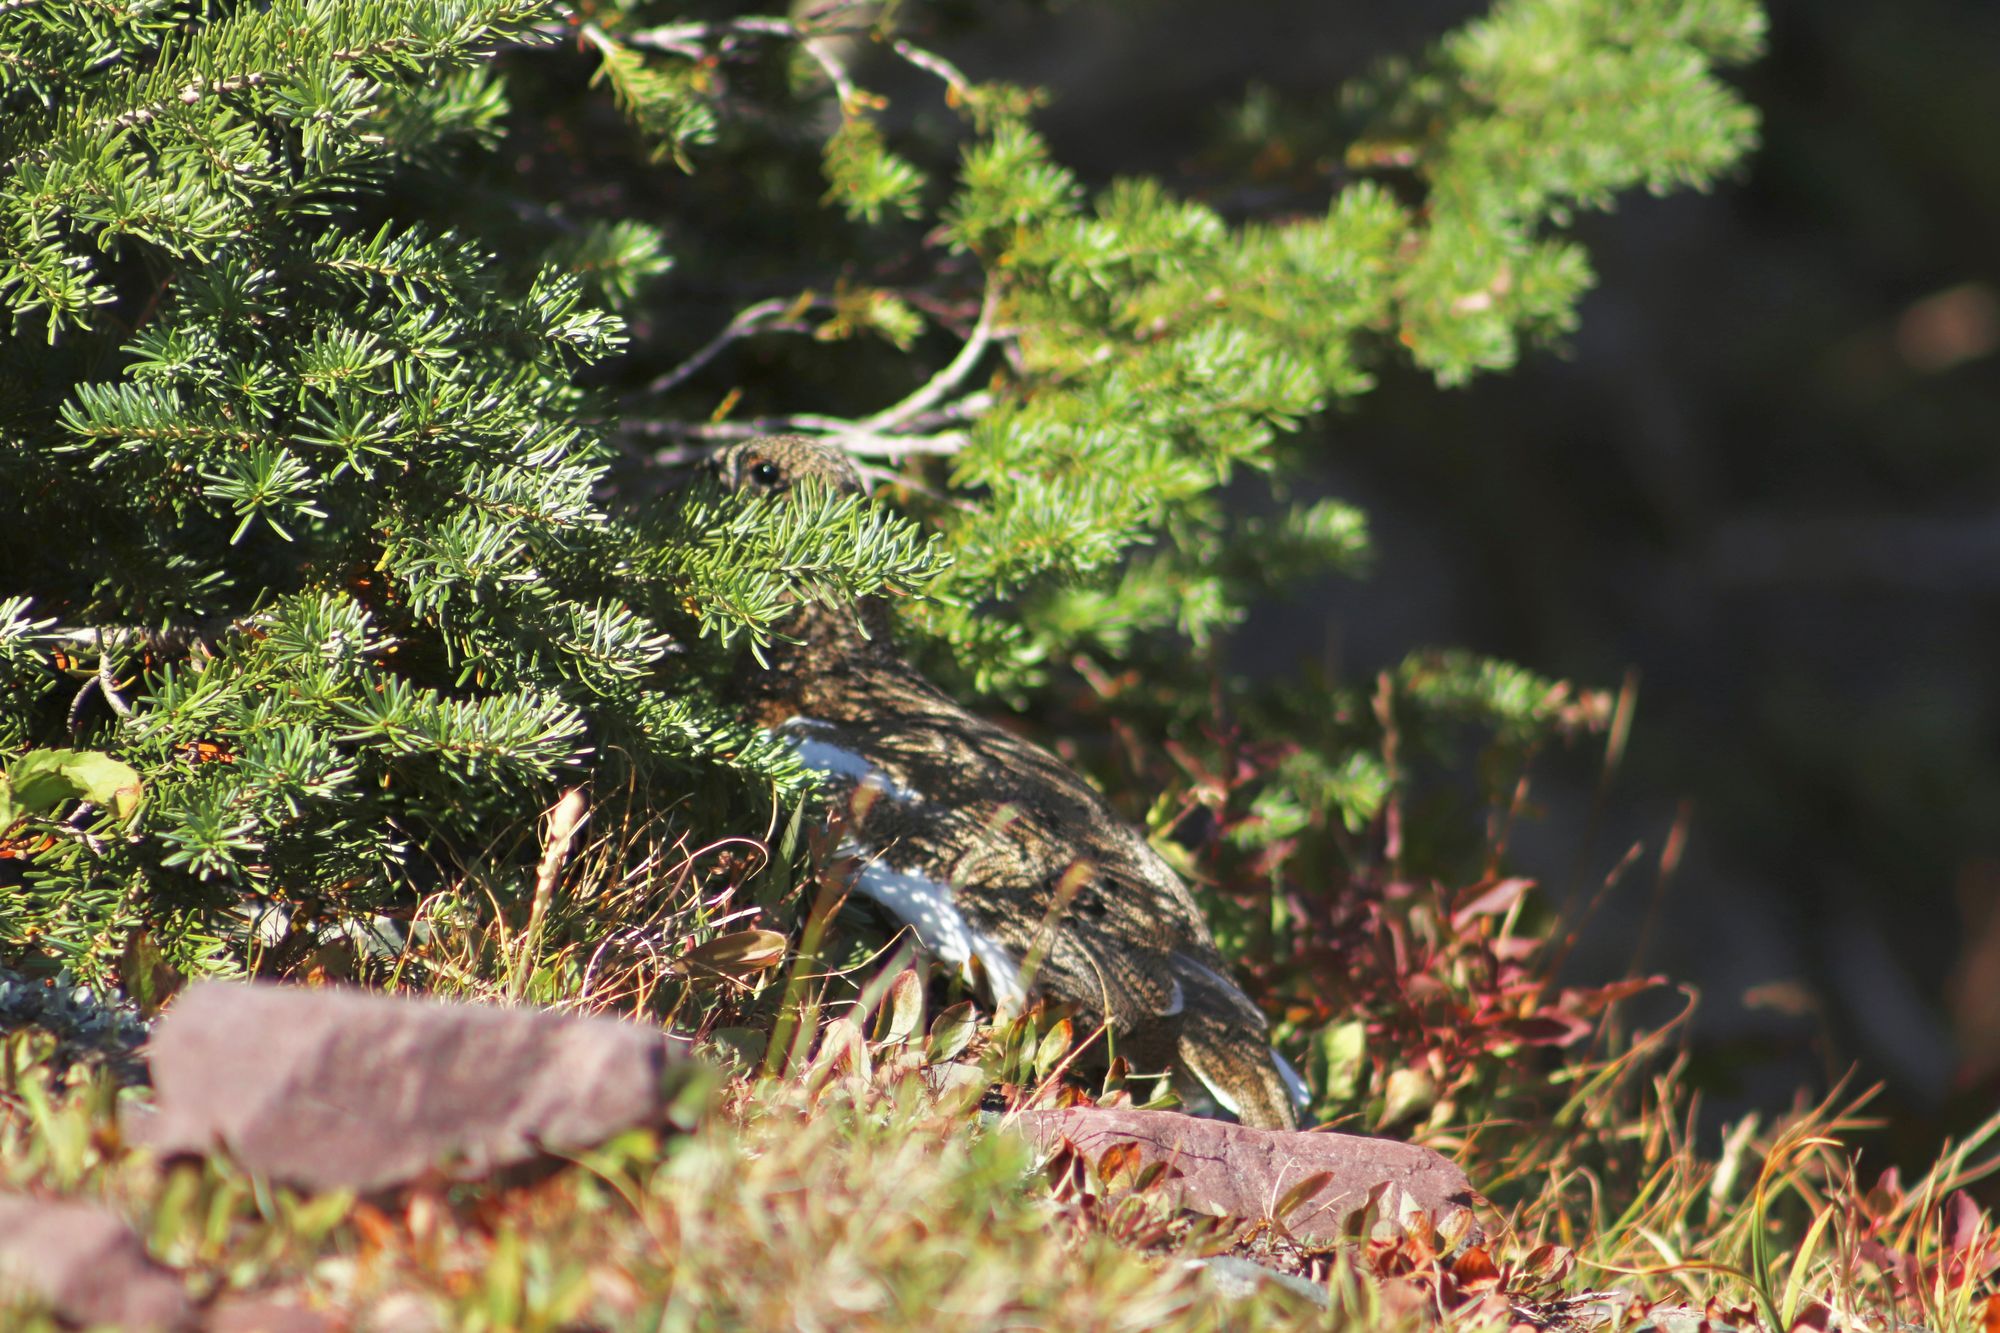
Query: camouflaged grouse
(971,833)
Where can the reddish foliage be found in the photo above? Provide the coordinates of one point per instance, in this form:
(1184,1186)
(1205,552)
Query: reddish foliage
(1437,1270)
(1393,949)
(1436,985)
(1441,979)
(1967,1250)
(1458,981)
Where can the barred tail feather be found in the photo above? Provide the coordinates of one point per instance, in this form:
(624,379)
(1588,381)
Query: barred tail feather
(1244,1080)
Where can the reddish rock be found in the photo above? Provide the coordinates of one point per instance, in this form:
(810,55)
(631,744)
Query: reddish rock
(87,1266)
(344,1089)
(403,1312)
(1234,1171)
(265,1314)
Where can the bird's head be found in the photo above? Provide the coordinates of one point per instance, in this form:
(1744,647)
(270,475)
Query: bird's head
(772,464)
(771,467)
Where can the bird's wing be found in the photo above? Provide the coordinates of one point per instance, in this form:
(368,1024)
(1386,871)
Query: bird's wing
(1009,840)
(1024,844)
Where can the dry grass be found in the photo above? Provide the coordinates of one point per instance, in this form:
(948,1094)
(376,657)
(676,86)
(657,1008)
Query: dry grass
(832,1187)
(814,1203)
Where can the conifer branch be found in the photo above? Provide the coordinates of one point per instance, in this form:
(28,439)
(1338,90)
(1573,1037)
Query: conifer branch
(308,453)
(287,56)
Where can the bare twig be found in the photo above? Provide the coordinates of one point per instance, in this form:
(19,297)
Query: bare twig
(173,639)
(877,436)
(847,434)
(822,51)
(684,39)
(681,39)
(902,446)
(908,427)
(932,63)
(970,407)
(721,431)
(950,377)
(105,686)
(890,477)
(752,319)
(880,436)
(99,682)
(76,706)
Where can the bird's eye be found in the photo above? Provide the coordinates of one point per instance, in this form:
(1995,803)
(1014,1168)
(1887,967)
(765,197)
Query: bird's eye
(764,473)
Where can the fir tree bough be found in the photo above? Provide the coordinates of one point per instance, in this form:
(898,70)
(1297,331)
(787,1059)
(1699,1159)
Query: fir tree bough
(324,377)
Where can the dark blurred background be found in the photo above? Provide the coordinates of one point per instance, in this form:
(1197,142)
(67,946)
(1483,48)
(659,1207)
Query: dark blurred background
(1762,476)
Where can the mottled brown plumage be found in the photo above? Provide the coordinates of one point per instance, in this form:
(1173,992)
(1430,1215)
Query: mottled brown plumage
(970,834)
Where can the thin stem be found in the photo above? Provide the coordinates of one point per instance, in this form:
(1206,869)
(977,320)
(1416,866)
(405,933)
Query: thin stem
(849,435)
(737,430)
(684,39)
(971,406)
(105,685)
(878,436)
(821,50)
(951,376)
(932,63)
(749,320)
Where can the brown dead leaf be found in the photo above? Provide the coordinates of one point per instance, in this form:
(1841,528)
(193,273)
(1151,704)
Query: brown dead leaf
(1297,1195)
(737,954)
(1120,1159)
(902,1014)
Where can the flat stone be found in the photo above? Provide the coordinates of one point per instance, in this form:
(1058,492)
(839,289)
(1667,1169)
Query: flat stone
(264,1314)
(87,1266)
(1233,1171)
(335,1088)
(1237,1278)
(403,1312)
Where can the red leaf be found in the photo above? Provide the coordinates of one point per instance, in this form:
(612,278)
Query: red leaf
(1494,900)
(1552,1028)
(1963,1224)
(1475,1270)
(1602,997)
